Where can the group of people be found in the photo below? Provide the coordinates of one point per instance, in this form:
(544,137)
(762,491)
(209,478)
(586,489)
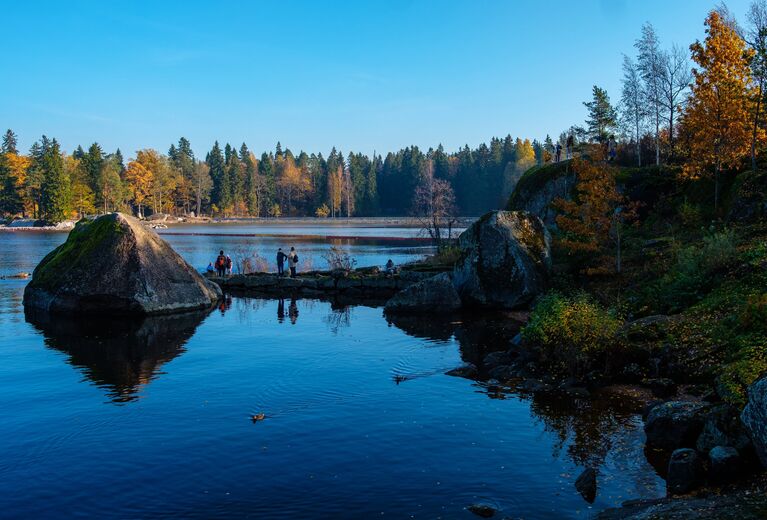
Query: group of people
(223,265)
(568,150)
(291,258)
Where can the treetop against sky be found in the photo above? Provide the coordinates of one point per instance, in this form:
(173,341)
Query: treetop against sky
(313,75)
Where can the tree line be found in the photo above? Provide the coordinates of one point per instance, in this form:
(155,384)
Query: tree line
(49,184)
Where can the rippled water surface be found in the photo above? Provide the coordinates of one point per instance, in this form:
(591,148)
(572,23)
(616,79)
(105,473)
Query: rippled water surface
(153,419)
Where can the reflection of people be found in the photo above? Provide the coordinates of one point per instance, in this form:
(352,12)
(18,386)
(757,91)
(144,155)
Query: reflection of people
(221,264)
(225,305)
(293,311)
(280,310)
(293,261)
(281,262)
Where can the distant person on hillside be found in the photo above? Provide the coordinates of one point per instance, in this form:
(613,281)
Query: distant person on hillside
(281,257)
(569,150)
(221,264)
(559,152)
(293,262)
(612,149)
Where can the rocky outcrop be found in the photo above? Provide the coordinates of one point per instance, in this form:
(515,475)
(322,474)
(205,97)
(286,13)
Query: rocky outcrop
(114,265)
(722,427)
(539,187)
(675,424)
(754,417)
(435,294)
(505,260)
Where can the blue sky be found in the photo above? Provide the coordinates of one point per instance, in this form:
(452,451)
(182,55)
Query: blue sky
(358,75)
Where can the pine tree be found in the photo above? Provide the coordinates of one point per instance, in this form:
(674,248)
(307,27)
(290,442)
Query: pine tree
(602,117)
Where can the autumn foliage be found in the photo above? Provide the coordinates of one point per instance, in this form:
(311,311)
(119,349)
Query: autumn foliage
(718,118)
(590,224)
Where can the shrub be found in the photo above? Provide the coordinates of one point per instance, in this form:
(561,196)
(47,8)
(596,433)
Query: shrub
(696,269)
(323,211)
(689,213)
(572,333)
(754,315)
(338,259)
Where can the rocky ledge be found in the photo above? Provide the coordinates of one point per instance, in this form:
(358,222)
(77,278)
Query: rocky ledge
(364,283)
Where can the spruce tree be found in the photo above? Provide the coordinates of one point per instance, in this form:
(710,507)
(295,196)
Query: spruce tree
(55,185)
(10,143)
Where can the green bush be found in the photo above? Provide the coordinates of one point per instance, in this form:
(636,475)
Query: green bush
(696,271)
(573,333)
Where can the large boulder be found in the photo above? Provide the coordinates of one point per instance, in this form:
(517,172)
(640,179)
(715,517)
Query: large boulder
(539,187)
(505,260)
(722,427)
(114,265)
(754,417)
(435,294)
(675,424)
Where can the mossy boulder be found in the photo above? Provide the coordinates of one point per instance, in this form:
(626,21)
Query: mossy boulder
(540,186)
(505,260)
(114,265)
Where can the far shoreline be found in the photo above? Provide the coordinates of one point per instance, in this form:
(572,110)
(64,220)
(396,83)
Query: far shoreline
(170,222)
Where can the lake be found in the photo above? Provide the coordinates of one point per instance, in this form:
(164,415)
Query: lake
(153,419)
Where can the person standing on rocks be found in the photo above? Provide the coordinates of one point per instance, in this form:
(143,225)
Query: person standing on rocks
(281,257)
(221,264)
(293,261)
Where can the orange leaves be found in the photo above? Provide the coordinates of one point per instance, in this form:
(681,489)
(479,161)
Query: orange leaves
(591,222)
(719,114)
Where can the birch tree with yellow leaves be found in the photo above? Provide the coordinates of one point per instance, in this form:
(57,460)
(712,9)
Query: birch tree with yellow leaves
(719,113)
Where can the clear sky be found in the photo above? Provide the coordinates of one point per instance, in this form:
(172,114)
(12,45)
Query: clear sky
(358,75)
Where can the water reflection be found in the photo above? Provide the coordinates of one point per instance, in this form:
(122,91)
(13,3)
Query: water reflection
(121,356)
(587,429)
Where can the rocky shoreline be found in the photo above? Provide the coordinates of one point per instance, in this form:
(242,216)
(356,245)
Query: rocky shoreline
(364,283)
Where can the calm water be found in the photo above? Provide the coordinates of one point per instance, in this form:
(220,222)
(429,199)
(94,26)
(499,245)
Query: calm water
(152,419)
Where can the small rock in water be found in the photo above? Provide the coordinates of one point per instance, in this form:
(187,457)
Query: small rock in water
(468,371)
(685,471)
(482,510)
(586,485)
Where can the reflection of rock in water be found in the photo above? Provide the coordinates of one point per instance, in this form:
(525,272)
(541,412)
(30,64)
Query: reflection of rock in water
(120,356)
(477,334)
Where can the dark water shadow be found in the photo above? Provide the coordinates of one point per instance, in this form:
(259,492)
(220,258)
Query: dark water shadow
(587,428)
(119,355)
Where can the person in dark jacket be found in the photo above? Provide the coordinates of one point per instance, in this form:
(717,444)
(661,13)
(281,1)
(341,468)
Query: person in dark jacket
(221,264)
(281,257)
